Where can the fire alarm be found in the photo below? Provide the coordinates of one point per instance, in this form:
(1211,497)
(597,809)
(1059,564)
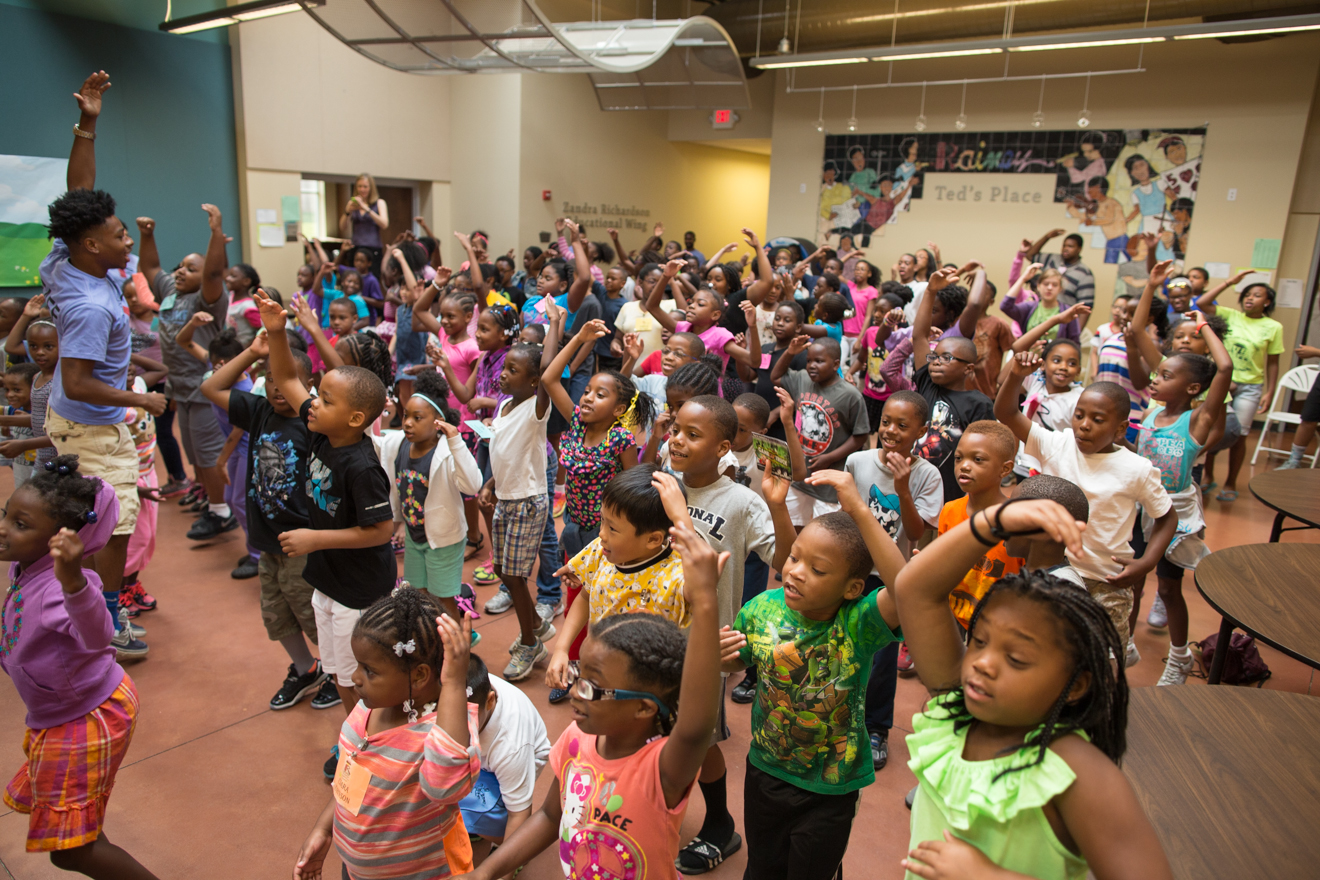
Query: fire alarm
(545,195)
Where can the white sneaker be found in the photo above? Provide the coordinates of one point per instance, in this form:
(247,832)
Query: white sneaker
(1288,465)
(499,603)
(1175,671)
(1133,655)
(545,631)
(524,658)
(1158,617)
(546,611)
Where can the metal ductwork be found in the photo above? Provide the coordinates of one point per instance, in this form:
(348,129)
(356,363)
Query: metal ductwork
(824,25)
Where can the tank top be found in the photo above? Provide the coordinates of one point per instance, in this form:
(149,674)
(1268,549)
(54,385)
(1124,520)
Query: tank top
(365,231)
(1171,449)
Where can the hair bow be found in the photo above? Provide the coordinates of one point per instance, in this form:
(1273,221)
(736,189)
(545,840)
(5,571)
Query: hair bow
(407,647)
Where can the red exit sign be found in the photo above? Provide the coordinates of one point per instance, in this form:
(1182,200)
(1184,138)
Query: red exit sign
(723,118)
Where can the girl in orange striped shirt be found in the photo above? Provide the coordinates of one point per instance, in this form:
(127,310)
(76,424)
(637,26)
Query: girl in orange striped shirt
(407,752)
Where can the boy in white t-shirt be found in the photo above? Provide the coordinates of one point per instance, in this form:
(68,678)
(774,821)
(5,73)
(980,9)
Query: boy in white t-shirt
(514,748)
(1115,481)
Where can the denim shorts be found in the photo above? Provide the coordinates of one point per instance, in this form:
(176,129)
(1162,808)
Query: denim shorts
(1246,400)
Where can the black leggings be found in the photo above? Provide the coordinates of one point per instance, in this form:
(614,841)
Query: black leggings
(167,443)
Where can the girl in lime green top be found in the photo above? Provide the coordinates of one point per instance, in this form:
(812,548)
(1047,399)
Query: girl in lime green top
(1017,757)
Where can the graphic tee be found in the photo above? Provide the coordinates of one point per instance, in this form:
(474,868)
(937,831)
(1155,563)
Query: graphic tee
(808,719)
(615,824)
(412,476)
(347,487)
(277,469)
(989,568)
(950,414)
(826,417)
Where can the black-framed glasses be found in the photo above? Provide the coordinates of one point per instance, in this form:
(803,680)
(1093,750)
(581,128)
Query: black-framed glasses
(948,358)
(585,689)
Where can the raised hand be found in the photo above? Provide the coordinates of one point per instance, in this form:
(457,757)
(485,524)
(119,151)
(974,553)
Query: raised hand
(941,279)
(798,345)
(594,330)
(673,267)
(212,216)
(272,313)
(146,225)
(200,318)
(1160,272)
(260,346)
(456,637)
(1024,364)
(1055,233)
(66,550)
(302,310)
(1031,271)
(774,488)
(464,239)
(672,498)
(633,345)
(1078,312)
(32,308)
(751,238)
(659,230)
(89,95)
(787,406)
(842,483)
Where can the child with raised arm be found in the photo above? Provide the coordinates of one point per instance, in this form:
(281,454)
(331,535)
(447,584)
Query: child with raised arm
(644,702)
(1017,756)
(350,523)
(1114,479)
(1173,434)
(1051,391)
(812,641)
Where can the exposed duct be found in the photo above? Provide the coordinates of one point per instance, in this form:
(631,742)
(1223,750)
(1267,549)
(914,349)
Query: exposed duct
(841,24)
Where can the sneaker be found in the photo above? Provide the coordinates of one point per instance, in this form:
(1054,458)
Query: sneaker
(1133,655)
(524,658)
(328,696)
(245,569)
(484,575)
(297,686)
(127,647)
(560,501)
(195,492)
(209,525)
(544,632)
(879,749)
(1289,465)
(201,505)
(476,639)
(136,631)
(904,659)
(175,487)
(1175,671)
(1158,617)
(558,695)
(546,611)
(498,604)
(331,764)
(135,599)
(745,690)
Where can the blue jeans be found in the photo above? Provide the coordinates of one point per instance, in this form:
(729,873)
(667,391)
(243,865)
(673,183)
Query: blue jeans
(756,574)
(575,538)
(883,682)
(547,584)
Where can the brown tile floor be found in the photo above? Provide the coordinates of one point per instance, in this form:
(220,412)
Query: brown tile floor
(217,785)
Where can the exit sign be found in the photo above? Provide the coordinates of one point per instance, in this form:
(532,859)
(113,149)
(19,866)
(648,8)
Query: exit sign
(723,119)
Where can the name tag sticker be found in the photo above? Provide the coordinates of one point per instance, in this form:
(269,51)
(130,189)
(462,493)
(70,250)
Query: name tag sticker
(350,785)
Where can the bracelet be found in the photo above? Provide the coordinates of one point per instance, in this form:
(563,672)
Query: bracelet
(85,135)
(1200,325)
(971,522)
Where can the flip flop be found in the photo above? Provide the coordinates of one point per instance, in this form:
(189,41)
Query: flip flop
(1226,495)
(1209,487)
(708,854)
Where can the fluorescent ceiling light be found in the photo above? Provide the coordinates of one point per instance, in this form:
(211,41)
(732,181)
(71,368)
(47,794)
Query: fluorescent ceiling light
(1249,32)
(1086,44)
(821,62)
(947,53)
(228,15)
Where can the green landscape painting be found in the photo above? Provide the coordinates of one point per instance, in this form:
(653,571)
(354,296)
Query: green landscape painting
(27,185)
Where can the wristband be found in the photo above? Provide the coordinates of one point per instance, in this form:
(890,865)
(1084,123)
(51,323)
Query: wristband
(1200,325)
(85,135)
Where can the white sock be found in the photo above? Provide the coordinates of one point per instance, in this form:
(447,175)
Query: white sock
(221,510)
(1295,456)
(1181,652)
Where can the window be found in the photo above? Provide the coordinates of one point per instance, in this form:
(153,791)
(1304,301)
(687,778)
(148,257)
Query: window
(313,208)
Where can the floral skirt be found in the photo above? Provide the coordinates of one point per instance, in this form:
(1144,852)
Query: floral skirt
(70,769)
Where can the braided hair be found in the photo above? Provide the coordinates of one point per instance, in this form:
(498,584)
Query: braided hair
(372,353)
(405,616)
(432,384)
(507,319)
(465,300)
(1090,639)
(697,377)
(639,409)
(655,648)
(70,498)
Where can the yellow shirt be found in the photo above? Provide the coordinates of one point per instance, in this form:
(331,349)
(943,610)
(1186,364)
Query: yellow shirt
(654,587)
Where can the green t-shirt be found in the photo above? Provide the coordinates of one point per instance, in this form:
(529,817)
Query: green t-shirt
(808,720)
(1040,315)
(1249,341)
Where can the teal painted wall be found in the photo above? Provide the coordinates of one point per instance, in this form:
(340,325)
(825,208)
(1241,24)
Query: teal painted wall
(165,142)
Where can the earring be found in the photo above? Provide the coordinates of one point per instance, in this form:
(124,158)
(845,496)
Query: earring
(410,711)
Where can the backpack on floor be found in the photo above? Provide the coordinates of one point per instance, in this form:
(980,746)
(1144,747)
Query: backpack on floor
(1242,663)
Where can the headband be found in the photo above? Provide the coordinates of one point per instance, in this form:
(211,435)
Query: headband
(435,406)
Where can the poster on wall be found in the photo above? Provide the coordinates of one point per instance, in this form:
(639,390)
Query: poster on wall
(1110,185)
(27,185)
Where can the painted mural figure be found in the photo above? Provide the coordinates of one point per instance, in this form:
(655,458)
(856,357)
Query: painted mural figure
(838,209)
(1099,211)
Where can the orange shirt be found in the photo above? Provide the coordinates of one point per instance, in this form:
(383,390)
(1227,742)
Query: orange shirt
(991,567)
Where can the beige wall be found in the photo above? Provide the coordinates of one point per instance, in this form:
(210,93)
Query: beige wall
(1255,98)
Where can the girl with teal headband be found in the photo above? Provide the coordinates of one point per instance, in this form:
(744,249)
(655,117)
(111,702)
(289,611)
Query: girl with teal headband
(430,468)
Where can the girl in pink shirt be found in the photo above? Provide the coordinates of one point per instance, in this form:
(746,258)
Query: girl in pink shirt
(862,289)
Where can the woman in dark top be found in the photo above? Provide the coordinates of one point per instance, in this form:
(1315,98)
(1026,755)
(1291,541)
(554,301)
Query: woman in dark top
(364,217)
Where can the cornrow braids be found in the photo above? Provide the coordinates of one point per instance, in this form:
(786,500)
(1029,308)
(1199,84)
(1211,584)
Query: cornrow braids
(405,615)
(639,409)
(1091,639)
(507,319)
(68,495)
(655,648)
(464,299)
(372,353)
(695,376)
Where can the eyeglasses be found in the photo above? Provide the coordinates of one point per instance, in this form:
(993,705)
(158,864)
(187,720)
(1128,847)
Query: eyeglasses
(947,358)
(674,352)
(587,690)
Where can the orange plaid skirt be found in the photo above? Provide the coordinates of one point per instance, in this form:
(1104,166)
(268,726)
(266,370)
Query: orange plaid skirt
(70,769)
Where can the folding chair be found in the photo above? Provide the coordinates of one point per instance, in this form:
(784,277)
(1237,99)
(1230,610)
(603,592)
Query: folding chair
(1297,380)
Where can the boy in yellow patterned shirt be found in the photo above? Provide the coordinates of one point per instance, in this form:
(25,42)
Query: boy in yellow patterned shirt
(631,567)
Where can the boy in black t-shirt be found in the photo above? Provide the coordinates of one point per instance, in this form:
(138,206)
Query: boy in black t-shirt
(349,559)
(941,376)
(277,502)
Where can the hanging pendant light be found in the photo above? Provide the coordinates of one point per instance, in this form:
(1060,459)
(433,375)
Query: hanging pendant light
(961,122)
(920,124)
(1038,118)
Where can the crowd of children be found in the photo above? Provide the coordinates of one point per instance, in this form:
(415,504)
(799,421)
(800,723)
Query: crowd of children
(446,409)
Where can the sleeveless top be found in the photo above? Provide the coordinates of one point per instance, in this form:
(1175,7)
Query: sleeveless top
(1170,448)
(1003,817)
(365,231)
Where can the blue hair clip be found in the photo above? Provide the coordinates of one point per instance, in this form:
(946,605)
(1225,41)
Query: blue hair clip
(63,469)
(50,466)
(90,516)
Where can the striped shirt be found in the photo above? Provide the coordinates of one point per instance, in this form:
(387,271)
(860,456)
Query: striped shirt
(1113,367)
(418,775)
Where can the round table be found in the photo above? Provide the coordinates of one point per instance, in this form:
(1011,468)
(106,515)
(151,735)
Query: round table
(1269,590)
(1229,779)
(1294,494)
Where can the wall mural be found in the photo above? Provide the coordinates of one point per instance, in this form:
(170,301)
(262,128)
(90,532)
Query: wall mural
(1113,185)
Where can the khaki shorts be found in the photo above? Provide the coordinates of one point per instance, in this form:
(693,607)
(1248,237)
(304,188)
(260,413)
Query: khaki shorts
(286,598)
(1117,604)
(105,451)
